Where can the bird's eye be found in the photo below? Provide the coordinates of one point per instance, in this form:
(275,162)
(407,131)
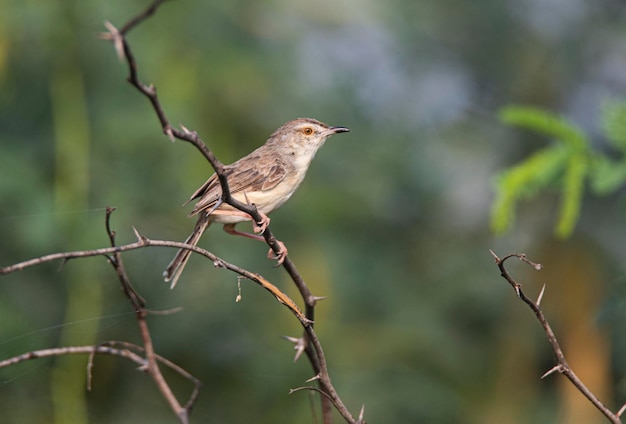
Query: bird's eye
(307,130)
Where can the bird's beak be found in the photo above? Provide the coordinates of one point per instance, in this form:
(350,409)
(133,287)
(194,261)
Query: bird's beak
(335,130)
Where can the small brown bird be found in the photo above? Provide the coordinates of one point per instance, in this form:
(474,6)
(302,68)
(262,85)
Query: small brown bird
(267,178)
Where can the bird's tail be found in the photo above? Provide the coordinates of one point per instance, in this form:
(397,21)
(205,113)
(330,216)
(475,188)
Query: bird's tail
(175,268)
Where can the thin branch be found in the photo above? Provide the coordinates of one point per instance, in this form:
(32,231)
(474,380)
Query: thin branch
(74,350)
(138,305)
(144,242)
(137,302)
(113,348)
(562,366)
(176,368)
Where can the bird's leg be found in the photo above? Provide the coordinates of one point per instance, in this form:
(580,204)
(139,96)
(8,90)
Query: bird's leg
(230,229)
(282,249)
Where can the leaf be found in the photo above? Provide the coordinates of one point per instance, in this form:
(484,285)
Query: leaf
(545,123)
(606,175)
(614,123)
(522,181)
(573,186)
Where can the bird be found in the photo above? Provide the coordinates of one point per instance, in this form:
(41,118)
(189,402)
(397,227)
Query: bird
(267,178)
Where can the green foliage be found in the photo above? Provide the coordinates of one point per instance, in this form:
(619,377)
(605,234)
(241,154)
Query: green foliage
(614,123)
(566,164)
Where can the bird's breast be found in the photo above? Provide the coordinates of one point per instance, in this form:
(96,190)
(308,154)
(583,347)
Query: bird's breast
(266,201)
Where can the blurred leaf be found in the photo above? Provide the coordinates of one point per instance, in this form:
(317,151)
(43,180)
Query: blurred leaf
(523,181)
(545,123)
(614,123)
(572,195)
(537,172)
(606,175)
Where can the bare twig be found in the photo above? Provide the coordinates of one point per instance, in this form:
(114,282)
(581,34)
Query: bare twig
(146,242)
(176,368)
(138,305)
(562,366)
(74,350)
(113,348)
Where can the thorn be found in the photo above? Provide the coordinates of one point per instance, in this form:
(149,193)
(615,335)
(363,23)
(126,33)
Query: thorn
(315,377)
(494,256)
(293,340)
(151,89)
(188,132)
(139,236)
(361,414)
(170,134)
(299,346)
(63,262)
(621,410)
(318,298)
(165,311)
(543,289)
(551,371)
(299,351)
(245,196)
(115,36)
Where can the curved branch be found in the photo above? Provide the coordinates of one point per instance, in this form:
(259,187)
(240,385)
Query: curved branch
(144,242)
(562,366)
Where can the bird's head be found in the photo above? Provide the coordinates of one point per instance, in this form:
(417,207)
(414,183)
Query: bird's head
(304,135)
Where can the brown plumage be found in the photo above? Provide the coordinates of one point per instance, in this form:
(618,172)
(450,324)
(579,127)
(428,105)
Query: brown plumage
(266,177)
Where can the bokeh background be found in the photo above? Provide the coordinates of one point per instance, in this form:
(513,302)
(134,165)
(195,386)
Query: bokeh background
(391,224)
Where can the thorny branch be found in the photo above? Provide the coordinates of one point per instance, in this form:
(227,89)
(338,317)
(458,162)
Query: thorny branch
(149,363)
(138,305)
(145,356)
(561,366)
(309,343)
(143,242)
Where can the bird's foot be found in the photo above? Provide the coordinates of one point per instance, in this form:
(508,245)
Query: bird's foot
(259,227)
(281,255)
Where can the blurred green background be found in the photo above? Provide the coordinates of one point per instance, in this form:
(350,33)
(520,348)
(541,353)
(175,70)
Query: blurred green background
(392,222)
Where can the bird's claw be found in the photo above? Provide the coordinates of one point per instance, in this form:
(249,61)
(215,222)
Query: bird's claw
(281,255)
(259,227)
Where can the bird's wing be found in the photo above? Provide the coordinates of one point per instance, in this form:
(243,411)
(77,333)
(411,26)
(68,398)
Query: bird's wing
(248,174)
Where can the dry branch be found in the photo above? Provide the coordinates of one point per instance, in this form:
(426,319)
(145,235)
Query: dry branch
(561,364)
(145,356)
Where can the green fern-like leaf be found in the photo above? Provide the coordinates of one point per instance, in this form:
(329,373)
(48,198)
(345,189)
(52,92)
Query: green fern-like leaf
(614,123)
(568,159)
(545,123)
(523,181)
(573,186)
(571,164)
(606,175)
